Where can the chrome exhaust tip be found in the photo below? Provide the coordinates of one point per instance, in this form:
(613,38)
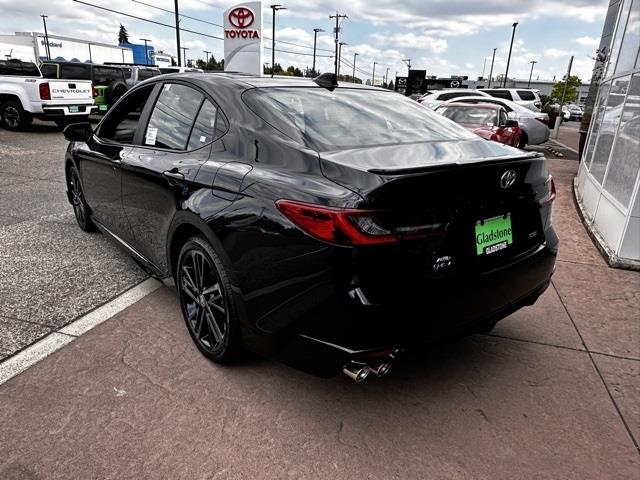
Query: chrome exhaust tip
(356,372)
(381,369)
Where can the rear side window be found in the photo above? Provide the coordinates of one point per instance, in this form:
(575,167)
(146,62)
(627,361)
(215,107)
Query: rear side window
(75,72)
(207,127)
(506,94)
(450,95)
(526,95)
(18,68)
(173,116)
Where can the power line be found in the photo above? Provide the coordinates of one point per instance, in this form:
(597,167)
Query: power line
(147,20)
(298,53)
(181,14)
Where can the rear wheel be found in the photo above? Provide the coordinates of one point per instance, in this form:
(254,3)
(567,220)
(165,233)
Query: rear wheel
(80,207)
(208,304)
(13,116)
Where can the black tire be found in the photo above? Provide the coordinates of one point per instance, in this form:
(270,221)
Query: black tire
(115,90)
(80,207)
(13,116)
(204,287)
(523,140)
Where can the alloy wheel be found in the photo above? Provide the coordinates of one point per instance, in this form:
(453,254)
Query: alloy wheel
(77,199)
(11,116)
(203,300)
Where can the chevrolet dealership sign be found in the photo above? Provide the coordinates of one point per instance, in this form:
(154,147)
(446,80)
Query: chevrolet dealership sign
(243,38)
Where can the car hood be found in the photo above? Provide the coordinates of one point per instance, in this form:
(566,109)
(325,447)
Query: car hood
(362,169)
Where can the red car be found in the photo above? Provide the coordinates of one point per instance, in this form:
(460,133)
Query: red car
(485,119)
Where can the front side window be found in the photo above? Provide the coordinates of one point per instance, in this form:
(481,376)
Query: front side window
(121,123)
(348,118)
(173,116)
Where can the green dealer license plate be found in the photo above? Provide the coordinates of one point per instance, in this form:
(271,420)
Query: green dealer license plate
(73,109)
(493,234)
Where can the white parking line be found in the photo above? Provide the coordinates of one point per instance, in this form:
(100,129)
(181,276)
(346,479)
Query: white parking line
(56,340)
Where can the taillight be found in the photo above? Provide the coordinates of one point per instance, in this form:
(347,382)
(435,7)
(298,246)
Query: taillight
(544,120)
(349,226)
(45,92)
(94,90)
(551,192)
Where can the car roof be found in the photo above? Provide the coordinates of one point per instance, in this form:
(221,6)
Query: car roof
(492,106)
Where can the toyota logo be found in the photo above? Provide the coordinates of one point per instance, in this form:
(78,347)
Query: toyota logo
(508,178)
(241,17)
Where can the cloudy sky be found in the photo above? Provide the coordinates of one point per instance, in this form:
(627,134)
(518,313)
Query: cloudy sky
(444,37)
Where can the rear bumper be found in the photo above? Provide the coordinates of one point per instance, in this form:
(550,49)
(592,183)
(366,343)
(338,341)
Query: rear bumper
(340,331)
(61,111)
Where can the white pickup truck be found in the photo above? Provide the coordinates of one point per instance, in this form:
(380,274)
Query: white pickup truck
(25,95)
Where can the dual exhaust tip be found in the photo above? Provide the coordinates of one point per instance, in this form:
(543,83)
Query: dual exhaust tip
(358,371)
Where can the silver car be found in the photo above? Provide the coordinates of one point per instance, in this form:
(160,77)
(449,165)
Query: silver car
(534,125)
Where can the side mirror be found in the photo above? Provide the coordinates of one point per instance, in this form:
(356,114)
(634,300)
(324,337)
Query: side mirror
(511,123)
(78,132)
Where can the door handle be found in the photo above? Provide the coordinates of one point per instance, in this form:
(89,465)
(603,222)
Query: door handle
(116,163)
(173,177)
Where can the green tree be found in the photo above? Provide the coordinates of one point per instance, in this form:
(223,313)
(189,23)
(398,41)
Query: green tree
(572,89)
(123,35)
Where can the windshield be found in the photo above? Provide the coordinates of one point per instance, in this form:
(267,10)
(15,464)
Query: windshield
(470,115)
(349,118)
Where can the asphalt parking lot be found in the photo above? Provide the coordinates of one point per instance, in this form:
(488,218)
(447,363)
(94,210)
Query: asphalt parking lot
(553,392)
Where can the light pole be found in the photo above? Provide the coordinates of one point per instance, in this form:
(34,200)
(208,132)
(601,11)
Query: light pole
(184,55)
(177,33)
(373,77)
(146,52)
(506,73)
(386,76)
(353,77)
(46,36)
(532,62)
(491,72)
(408,62)
(90,59)
(274,8)
(315,38)
(206,52)
(340,55)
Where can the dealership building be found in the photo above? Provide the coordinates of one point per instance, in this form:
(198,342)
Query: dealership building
(608,180)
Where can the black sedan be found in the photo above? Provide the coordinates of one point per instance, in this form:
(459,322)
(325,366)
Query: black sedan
(328,226)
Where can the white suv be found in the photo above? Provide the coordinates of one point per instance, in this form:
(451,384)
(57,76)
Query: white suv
(523,96)
(432,100)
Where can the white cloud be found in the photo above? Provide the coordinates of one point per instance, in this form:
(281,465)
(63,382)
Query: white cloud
(588,41)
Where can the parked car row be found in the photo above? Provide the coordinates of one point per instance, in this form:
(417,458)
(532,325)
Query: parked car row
(527,98)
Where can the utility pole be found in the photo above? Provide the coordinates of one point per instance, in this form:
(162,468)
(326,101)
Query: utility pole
(46,37)
(340,55)
(146,52)
(491,72)
(336,30)
(484,66)
(373,77)
(315,41)
(532,62)
(274,8)
(178,33)
(556,127)
(206,52)
(353,77)
(184,53)
(90,58)
(408,62)
(386,76)
(506,73)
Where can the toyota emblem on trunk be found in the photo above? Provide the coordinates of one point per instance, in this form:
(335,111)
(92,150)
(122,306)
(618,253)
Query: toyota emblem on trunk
(508,178)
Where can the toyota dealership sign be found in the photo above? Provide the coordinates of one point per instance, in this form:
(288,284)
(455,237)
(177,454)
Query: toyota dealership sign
(243,38)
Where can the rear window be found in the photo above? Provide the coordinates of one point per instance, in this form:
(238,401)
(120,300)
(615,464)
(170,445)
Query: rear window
(470,115)
(18,68)
(75,72)
(450,95)
(506,94)
(526,95)
(106,75)
(349,118)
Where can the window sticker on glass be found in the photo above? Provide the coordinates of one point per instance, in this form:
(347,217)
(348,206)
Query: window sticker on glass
(203,139)
(150,138)
(167,87)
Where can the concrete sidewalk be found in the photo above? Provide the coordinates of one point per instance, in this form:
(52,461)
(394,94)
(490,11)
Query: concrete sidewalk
(553,392)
